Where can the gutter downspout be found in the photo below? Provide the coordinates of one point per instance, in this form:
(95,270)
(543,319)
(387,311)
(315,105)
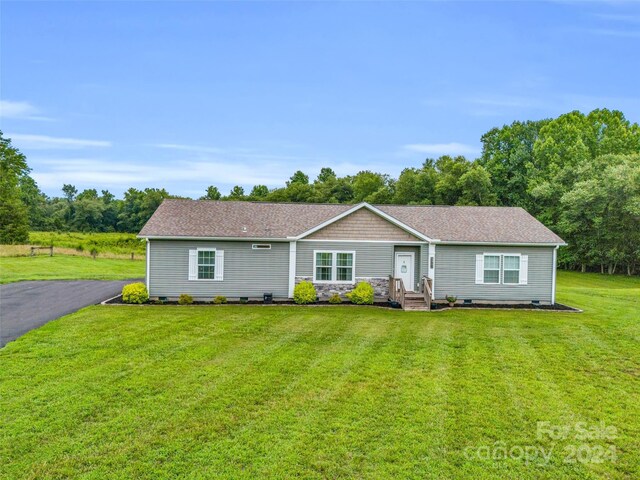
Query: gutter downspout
(148,254)
(553,280)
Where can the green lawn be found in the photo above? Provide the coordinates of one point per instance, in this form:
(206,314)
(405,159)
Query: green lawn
(65,267)
(340,392)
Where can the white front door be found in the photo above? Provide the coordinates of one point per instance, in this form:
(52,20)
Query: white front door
(405,262)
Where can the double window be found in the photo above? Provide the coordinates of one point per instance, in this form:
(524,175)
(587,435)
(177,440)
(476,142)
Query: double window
(497,268)
(333,266)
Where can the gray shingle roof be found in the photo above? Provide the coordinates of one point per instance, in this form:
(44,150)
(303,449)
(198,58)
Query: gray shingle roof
(203,218)
(206,218)
(473,224)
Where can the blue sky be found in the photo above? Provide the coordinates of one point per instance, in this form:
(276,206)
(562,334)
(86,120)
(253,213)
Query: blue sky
(182,95)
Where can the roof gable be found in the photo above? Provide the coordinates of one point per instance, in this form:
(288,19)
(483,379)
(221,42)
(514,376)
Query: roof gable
(362,224)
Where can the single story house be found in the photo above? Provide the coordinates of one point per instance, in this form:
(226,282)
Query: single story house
(245,249)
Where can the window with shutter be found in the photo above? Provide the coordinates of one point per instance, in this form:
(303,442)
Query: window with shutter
(206,264)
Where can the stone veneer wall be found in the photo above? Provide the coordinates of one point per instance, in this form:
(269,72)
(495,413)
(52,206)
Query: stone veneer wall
(325,290)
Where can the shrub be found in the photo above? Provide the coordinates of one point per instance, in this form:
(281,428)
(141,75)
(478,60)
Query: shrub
(451,298)
(220,299)
(304,293)
(185,299)
(362,294)
(135,293)
(335,299)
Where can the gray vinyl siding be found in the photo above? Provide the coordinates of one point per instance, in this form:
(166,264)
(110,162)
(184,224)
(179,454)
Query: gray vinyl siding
(372,259)
(247,272)
(416,257)
(455,274)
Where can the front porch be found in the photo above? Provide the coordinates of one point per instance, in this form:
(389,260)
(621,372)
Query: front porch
(417,301)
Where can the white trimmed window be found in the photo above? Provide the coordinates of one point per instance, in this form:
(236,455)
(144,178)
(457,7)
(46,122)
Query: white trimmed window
(333,266)
(502,268)
(491,272)
(511,269)
(206,264)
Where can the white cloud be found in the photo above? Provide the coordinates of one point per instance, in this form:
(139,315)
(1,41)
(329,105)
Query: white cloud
(97,172)
(44,142)
(188,148)
(20,110)
(205,152)
(452,148)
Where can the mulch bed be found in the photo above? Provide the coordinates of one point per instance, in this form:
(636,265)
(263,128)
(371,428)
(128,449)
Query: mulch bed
(559,307)
(504,306)
(118,301)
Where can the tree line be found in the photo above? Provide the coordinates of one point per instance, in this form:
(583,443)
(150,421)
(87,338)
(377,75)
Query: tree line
(578,173)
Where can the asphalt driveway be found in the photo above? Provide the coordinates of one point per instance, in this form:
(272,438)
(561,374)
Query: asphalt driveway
(28,305)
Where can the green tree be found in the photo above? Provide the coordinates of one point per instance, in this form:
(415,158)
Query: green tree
(259,192)
(14,222)
(600,215)
(212,193)
(568,143)
(138,206)
(69,192)
(298,177)
(476,188)
(36,203)
(326,175)
(450,170)
(416,185)
(111,209)
(88,211)
(236,193)
(370,186)
(507,155)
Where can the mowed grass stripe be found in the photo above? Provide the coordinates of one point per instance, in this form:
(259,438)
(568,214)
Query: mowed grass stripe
(280,392)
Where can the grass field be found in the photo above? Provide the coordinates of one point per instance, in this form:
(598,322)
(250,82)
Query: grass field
(66,267)
(112,243)
(339,392)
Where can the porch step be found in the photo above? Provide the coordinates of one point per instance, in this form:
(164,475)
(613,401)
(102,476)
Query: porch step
(414,295)
(416,308)
(414,301)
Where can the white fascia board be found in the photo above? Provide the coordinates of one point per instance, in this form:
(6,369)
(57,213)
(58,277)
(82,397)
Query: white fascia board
(372,209)
(501,244)
(219,239)
(416,243)
(399,224)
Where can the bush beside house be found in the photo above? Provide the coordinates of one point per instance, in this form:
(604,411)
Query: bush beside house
(135,293)
(304,293)
(363,294)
